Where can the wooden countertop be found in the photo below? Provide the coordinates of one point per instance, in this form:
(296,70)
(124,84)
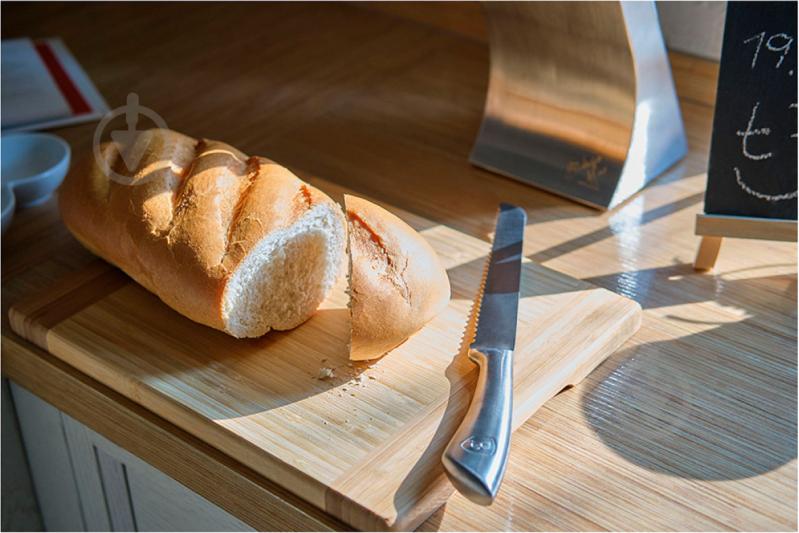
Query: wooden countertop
(691,426)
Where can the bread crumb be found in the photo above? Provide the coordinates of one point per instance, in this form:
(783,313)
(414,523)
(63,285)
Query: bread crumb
(357,381)
(326,373)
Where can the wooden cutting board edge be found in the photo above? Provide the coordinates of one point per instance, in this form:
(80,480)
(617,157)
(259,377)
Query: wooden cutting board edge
(627,321)
(36,319)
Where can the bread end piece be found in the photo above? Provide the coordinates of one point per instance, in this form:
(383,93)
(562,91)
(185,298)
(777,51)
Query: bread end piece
(397,283)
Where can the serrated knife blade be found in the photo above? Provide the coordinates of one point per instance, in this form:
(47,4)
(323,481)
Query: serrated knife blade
(496,321)
(476,457)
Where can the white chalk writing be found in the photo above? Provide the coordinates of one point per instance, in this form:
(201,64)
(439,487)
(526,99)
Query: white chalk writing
(750,131)
(760,195)
(779,42)
(759,37)
(784,48)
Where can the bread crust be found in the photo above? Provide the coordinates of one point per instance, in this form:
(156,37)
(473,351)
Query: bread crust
(188,214)
(397,282)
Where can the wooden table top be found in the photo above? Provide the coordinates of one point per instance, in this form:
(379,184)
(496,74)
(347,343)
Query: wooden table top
(690,426)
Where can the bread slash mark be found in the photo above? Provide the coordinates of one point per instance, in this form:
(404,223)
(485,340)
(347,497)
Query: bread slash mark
(177,196)
(252,173)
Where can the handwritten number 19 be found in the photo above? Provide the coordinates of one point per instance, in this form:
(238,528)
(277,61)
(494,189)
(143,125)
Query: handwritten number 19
(779,42)
(787,40)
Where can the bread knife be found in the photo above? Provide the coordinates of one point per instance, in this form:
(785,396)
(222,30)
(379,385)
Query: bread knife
(476,457)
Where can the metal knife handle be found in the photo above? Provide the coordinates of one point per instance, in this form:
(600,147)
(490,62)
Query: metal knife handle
(476,456)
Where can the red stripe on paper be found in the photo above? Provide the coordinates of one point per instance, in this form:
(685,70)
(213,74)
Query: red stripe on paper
(71,93)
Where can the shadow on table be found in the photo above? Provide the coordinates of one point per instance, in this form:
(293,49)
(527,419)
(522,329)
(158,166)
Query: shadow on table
(428,470)
(716,404)
(433,523)
(424,486)
(607,231)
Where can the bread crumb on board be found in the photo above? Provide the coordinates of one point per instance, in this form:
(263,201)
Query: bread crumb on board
(352,377)
(326,373)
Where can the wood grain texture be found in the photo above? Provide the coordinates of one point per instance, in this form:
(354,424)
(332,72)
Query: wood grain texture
(746,227)
(691,426)
(261,401)
(707,253)
(203,469)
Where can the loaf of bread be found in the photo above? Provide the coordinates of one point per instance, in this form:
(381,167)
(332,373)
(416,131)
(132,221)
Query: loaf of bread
(397,283)
(242,245)
(234,242)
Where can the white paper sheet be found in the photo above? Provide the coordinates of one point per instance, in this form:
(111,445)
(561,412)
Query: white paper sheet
(29,93)
(31,99)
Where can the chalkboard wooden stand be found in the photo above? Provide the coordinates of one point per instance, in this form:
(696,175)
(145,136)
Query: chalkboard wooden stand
(752,171)
(713,228)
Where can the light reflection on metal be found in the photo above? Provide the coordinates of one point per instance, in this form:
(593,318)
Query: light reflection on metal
(580,100)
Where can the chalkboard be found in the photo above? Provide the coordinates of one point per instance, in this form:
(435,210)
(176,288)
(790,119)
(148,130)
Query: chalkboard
(752,170)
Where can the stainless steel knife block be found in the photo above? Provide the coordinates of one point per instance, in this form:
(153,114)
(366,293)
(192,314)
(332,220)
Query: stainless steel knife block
(580,99)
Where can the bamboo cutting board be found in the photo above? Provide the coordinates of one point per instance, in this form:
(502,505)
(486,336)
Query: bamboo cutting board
(364,444)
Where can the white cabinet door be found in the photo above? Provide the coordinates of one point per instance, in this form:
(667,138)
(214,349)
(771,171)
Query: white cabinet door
(18,507)
(50,463)
(85,482)
(153,500)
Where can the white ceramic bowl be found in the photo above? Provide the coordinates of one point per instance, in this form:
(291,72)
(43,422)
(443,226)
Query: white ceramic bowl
(33,166)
